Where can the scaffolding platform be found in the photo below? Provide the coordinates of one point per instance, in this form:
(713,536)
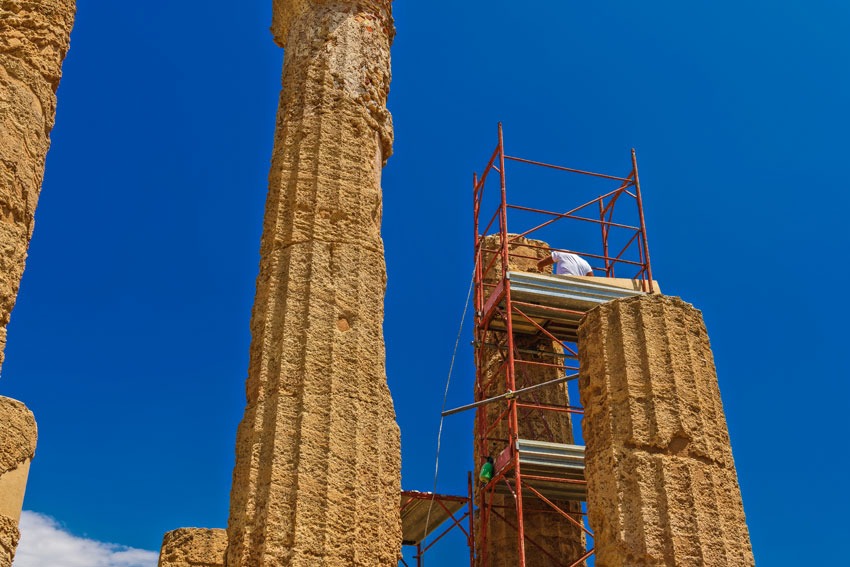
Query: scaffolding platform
(555,470)
(557,303)
(414,514)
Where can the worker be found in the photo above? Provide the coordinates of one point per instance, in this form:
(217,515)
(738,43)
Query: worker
(566,264)
(486,474)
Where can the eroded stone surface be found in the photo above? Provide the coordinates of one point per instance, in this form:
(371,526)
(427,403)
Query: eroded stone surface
(18,436)
(552,536)
(662,487)
(193,547)
(9,536)
(34,38)
(317,473)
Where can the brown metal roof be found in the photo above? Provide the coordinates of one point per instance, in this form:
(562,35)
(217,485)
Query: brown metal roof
(414,513)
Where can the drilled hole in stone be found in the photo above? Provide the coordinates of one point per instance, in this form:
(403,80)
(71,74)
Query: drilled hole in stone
(678,444)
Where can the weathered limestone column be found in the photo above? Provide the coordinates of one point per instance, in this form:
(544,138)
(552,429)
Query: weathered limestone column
(193,547)
(317,476)
(18,436)
(662,487)
(34,38)
(552,534)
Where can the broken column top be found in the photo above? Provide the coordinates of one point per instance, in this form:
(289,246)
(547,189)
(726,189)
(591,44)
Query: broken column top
(284,12)
(193,547)
(18,434)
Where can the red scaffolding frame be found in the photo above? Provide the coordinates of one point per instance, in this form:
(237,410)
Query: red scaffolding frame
(496,311)
(416,514)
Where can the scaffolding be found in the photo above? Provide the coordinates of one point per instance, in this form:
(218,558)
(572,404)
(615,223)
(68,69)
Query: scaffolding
(423,513)
(510,304)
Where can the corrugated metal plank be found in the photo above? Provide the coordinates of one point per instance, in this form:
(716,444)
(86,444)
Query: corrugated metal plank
(564,291)
(556,460)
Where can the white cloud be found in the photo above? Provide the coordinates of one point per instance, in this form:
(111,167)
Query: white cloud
(45,544)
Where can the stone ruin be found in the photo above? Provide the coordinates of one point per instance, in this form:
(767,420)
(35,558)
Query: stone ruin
(661,483)
(193,547)
(18,435)
(318,401)
(662,488)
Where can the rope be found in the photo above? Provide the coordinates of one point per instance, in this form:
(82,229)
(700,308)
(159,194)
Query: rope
(445,397)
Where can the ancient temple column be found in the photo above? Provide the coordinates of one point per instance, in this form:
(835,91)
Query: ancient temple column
(34,38)
(662,487)
(552,536)
(193,547)
(317,476)
(18,436)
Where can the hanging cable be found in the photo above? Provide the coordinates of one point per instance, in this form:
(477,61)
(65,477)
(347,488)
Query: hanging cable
(443,409)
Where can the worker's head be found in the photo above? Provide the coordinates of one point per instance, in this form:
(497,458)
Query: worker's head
(490,460)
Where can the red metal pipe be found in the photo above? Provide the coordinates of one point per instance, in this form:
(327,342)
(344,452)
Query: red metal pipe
(579,561)
(577,411)
(514,419)
(489,165)
(642,220)
(531,541)
(457,523)
(415,495)
(588,254)
(561,512)
(604,230)
(539,328)
(562,168)
(556,479)
(569,215)
(560,215)
(492,219)
(470,541)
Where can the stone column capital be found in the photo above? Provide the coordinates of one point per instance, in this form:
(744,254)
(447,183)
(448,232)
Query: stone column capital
(284,12)
(193,547)
(18,434)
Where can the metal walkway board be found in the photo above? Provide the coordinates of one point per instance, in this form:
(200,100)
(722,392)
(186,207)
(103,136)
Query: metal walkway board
(557,303)
(561,462)
(414,513)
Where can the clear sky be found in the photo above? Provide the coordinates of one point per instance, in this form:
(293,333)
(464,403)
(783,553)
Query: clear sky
(130,338)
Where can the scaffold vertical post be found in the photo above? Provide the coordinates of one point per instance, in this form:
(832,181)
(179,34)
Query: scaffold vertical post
(604,228)
(476,209)
(471,511)
(503,206)
(645,243)
(513,423)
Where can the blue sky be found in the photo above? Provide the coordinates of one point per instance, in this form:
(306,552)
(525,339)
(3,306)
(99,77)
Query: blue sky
(130,337)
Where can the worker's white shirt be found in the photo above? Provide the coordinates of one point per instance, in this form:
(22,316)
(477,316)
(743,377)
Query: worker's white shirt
(570,264)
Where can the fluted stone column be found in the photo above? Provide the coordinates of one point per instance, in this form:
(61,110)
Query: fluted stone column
(34,38)
(193,547)
(18,436)
(662,487)
(553,536)
(317,476)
